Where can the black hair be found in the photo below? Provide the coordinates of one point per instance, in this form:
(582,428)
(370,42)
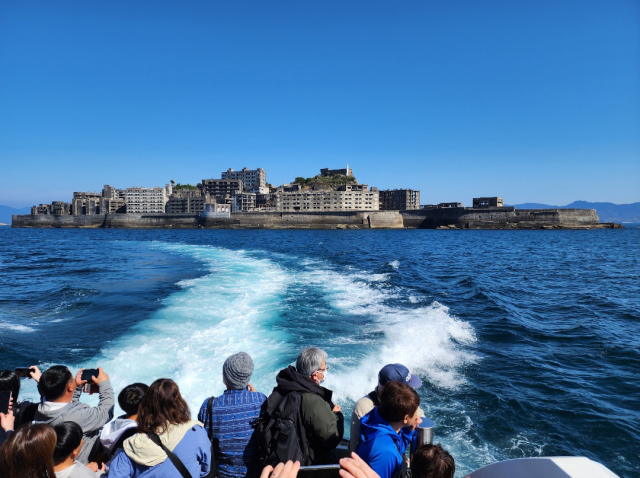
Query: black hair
(68,438)
(9,381)
(131,396)
(53,382)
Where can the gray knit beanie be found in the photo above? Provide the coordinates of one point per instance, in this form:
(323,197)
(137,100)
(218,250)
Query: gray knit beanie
(237,370)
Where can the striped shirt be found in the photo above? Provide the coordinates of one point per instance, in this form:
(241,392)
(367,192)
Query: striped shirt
(233,415)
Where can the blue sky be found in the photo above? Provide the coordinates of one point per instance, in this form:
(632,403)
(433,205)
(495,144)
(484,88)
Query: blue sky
(533,101)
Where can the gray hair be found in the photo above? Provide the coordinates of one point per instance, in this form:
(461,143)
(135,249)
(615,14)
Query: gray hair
(310,360)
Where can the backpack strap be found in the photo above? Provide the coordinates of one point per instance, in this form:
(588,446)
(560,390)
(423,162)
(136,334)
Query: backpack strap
(404,470)
(127,434)
(374,398)
(172,456)
(213,472)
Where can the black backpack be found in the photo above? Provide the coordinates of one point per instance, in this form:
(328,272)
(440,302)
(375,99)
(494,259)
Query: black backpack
(280,432)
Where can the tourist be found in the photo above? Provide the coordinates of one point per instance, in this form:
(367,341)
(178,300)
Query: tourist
(117,431)
(68,447)
(60,403)
(386,431)
(10,381)
(28,453)
(317,418)
(432,461)
(389,373)
(166,435)
(229,418)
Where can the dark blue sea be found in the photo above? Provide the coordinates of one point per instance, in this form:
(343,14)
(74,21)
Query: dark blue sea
(528,342)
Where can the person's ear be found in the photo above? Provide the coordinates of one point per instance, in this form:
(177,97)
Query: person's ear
(71,386)
(406,419)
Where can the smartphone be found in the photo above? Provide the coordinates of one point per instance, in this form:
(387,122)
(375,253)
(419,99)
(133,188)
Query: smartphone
(88,373)
(5,398)
(24,372)
(90,388)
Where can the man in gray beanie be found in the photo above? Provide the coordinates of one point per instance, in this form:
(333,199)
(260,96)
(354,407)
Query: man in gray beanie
(228,418)
(237,371)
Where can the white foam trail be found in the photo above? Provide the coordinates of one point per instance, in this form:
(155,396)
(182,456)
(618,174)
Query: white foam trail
(394,264)
(189,338)
(15,327)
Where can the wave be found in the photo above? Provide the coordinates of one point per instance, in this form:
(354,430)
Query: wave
(259,303)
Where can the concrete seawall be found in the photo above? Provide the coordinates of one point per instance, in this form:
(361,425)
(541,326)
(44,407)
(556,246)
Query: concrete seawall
(446,218)
(502,218)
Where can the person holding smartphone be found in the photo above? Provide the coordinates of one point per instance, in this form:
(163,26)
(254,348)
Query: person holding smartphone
(20,412)
(61,392)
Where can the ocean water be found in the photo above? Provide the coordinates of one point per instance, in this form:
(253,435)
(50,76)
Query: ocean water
(527,342)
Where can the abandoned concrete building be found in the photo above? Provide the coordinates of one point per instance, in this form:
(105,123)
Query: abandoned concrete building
(147,200)
(243,202)
(56,208)
(399,199)
(347,199)
(223,190)
(253,180)
(336,172)
(488,202)
(188,201)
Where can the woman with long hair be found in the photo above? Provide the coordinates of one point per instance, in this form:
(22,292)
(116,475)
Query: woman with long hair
(165,428)
(28,453)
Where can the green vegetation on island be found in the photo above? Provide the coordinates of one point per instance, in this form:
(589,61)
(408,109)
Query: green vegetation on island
(325,182)
(184,186)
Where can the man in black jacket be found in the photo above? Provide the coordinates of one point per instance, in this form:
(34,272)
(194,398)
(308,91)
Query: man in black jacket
(322,420)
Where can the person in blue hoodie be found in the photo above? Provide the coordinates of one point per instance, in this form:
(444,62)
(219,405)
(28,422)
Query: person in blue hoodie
(387,430)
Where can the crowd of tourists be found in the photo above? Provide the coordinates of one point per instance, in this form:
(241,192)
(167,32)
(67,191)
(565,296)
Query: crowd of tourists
(241,433)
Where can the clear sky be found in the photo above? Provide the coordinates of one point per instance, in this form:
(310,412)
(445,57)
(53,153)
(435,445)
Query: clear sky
(533,101)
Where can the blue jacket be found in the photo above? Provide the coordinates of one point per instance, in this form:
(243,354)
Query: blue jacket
(380,446)
(194,450)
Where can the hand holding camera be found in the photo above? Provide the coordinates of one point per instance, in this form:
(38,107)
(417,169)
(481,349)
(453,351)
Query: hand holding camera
(90,378)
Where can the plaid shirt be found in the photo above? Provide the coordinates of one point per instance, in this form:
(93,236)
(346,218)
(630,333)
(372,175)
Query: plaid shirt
(233,415)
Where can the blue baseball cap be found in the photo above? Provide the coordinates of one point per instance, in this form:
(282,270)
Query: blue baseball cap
(395,372)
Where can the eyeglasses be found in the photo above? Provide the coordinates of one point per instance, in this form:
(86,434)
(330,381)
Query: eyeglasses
(322,371)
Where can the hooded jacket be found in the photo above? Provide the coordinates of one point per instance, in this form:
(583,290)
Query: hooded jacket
(381,447)
(91,419)
(324,429)
(364,406)
(113,430)
(143,458)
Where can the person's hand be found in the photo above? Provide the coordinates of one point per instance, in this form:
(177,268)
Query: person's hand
(102,376)
(250,388)
(79,381)
(35,373)
(7,420)
(93,466)
(355,467)
(282,470)
(336,409)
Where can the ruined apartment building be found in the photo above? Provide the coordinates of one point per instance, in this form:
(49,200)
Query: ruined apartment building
(223,190)
(336,172)
(399,199)
(349,198)
(253,180)
(147,200)
(244,202)
(188,201)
